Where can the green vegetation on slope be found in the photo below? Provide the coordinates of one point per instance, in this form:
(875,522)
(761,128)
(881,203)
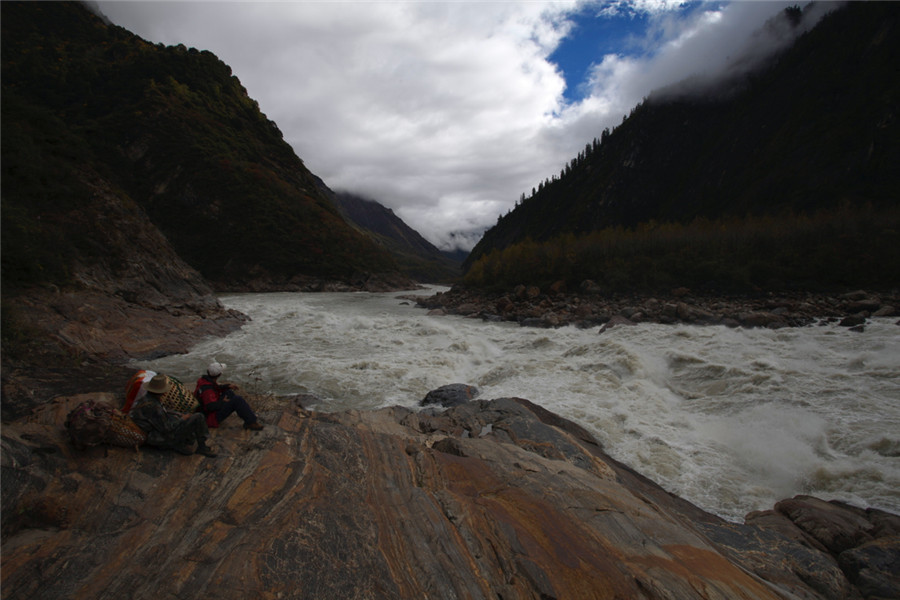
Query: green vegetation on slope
(177,132)
(790,252)
(806,141)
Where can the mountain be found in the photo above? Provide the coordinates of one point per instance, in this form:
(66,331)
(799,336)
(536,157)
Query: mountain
(783,177)
(136,180)
(172,131)
(416,257)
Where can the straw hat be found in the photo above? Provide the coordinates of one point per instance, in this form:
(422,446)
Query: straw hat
(160,384)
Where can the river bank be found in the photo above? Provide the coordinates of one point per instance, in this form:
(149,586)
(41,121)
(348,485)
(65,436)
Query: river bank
(590,307)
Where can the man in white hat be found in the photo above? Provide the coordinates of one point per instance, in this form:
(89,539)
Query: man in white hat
(166,428)
(220,399)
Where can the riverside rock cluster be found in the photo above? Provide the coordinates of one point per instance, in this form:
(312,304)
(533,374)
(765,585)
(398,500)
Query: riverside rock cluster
(488,499)
(589,307)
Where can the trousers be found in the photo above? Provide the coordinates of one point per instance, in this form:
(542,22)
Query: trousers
(231,403)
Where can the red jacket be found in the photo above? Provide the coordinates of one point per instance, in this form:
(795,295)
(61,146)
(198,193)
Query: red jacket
(210,395)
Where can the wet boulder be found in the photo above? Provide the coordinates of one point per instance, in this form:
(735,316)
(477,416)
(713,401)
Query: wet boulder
(450,395)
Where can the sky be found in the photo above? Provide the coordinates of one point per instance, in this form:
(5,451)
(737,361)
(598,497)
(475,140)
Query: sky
(447,112)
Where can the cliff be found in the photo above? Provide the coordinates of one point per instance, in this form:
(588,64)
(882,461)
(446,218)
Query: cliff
(489,499)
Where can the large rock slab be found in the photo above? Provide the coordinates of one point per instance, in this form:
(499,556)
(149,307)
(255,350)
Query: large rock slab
(489,499)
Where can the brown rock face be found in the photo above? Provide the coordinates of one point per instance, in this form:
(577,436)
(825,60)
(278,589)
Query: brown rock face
(489,499)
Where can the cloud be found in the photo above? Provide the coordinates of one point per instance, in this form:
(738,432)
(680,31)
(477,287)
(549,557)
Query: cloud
(445,112)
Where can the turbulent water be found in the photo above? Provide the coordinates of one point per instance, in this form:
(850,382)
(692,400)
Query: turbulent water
(730,419)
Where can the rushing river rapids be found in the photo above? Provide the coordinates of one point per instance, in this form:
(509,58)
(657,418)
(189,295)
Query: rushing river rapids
(730,419)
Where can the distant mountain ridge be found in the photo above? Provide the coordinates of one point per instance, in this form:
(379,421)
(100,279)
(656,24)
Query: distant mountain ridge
(814,130)
(416,256)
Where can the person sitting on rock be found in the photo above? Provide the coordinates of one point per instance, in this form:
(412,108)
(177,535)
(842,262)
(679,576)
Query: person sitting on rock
(220,399)
(169,429)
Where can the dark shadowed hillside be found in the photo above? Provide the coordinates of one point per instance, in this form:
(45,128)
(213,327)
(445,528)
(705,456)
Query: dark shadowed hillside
(171,129)
(783,178)
(134,176)
(416,257)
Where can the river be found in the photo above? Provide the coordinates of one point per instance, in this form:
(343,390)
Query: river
(731,419)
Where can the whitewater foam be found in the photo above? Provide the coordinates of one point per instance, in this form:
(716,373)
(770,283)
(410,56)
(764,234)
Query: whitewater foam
(731,419)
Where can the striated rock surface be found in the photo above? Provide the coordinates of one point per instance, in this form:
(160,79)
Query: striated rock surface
(488,499)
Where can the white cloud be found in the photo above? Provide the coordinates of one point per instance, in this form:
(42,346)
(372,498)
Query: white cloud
(444,112)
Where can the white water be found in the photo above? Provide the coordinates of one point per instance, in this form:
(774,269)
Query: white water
(731,419)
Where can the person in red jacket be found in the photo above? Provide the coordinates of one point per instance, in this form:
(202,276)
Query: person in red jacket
(220,399)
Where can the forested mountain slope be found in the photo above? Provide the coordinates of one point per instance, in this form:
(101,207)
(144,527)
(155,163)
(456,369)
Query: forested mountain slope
(786,177)
(169,128)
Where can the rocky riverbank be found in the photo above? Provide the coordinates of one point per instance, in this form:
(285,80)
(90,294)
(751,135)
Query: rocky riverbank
(487,499)
(590,307)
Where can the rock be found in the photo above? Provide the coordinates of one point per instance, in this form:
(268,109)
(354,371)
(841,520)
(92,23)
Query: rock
(885,311)
(584,310)
(467,309)
(614,321)
(868,305)
(590,288)
(450,395)
(853,321)
(539,322)
(874,567)
(487,499)
(504,305)
(836,526)
(855,296)
(557,287)
(692,314)
(761,319)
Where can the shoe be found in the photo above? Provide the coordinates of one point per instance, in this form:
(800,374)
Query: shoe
(186,450)
(205,450)
(255,426)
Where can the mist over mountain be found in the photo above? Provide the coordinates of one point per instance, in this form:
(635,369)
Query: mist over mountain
(784,176)
(416,257)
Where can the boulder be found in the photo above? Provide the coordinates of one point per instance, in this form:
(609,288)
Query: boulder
(590,288)
(614,321)
(761,319)
(874,567)
(885,311)
(853,321)
(467,309)
(453,394)
(836,526)
(557,287)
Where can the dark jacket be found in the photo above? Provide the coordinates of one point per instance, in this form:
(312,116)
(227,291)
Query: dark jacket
(163,427)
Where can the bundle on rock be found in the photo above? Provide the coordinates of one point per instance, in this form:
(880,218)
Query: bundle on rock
(92,423)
